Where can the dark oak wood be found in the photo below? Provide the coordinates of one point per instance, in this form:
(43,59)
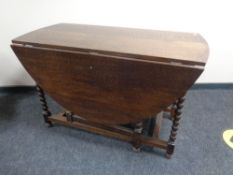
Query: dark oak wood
(175,125)
(46,113)
(134,135)
(155,45)
(69,116)
(107,89)
(155,124)
(138,128)
(158,124)
(113,76)
(117,132)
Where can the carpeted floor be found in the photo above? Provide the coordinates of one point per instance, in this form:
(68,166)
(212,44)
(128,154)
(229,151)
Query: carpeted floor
(28,147)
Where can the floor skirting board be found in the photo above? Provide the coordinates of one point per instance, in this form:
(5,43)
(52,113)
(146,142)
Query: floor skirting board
(196,86)
(212,86)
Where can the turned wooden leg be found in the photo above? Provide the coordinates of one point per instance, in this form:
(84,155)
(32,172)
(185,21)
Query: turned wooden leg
(151,128)
(175,125)
(155,125)
(169,112)
(46,113)
(138,128)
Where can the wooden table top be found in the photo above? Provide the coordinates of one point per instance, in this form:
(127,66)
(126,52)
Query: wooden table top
(112,75)
(153,45)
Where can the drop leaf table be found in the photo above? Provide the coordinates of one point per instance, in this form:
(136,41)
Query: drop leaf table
(111,80)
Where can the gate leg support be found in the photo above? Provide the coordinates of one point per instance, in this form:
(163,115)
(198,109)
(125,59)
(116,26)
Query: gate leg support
(138,128)
(46,113)
(175,125)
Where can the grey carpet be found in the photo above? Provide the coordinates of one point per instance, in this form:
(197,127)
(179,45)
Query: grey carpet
(28,147)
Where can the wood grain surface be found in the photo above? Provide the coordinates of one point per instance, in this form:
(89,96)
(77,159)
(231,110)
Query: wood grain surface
(104,88)
(163,46)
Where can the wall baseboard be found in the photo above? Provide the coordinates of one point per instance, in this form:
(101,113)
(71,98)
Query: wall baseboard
(212,86)
(17,89)
(197,86)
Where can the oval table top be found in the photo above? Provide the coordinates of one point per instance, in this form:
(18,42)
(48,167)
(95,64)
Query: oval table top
(155,45)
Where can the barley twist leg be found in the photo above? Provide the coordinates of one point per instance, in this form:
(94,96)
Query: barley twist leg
(46,113)
(175,124)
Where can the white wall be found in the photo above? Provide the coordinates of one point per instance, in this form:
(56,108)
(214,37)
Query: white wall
(211,18)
